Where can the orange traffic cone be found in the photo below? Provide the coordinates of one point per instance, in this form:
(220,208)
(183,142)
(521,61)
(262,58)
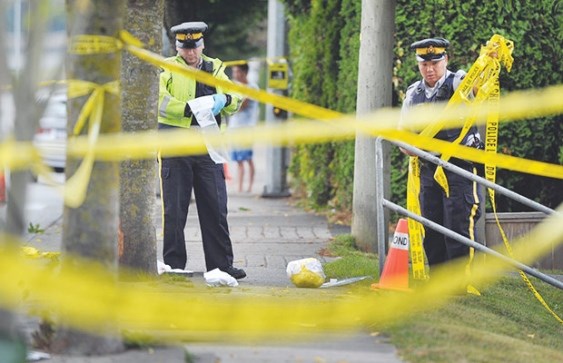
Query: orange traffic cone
(2,188)
(395,275)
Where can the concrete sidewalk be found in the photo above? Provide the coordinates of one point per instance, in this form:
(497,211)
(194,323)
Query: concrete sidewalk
(266,235)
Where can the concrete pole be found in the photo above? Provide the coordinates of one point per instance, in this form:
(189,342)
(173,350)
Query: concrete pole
(17,35)
(374,91)
(277,158)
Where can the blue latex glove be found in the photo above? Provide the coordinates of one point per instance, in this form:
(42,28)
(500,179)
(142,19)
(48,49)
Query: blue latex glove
(219,101)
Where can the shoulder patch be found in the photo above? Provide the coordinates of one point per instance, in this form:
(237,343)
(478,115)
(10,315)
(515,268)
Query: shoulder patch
(414,85)
(409,93)
(460,74)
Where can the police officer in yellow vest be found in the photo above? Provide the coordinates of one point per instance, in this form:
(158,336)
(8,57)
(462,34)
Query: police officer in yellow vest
(460,210)
(180,174)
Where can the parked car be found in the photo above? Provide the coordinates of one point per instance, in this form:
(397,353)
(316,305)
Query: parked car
(51,136)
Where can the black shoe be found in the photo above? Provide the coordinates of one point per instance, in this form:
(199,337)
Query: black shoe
(237,273)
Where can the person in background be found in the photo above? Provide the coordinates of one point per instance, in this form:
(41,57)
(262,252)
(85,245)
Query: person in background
(180,174)
(246,117)
(460,210)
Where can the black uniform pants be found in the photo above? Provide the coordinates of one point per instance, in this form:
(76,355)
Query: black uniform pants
(178,176)
(457,213)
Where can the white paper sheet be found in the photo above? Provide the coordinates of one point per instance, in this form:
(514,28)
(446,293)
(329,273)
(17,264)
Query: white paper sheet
(202,108)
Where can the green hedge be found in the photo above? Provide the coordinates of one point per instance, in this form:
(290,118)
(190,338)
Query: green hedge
(324,41)
(324,44)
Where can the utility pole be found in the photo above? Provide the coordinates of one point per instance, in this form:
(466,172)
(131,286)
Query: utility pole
(374,91)
(17,35)
(276,157)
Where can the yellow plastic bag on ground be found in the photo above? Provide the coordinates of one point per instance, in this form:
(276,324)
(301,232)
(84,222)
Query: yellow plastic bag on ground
(307,272)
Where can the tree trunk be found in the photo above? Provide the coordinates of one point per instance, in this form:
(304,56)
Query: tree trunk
(374,91)
(90,230)
(139,82)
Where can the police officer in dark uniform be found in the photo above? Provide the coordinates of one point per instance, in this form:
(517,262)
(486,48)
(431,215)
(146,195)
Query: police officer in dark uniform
(200,172)
(460,210)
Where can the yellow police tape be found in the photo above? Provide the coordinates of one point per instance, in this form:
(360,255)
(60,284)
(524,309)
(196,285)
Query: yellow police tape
(490,174)
(382,123)
(238,317)
(142,145)
(491,143)
(489,69)
(77,186)
(85,44)
(85,295)
(416,231)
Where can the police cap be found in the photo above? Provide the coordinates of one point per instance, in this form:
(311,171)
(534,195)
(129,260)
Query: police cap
(190,34)
(431,49)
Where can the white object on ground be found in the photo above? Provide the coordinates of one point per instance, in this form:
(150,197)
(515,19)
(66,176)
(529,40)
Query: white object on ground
(350,280)
(307,272)
(34,356)
(164,268)
(217,277)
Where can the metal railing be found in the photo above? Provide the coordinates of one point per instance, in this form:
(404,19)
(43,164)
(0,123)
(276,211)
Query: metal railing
(381,203)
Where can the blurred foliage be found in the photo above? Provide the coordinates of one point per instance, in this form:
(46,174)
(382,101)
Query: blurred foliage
(324,45)
(236,27)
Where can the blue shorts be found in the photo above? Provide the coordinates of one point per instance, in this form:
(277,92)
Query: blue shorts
(241,155)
